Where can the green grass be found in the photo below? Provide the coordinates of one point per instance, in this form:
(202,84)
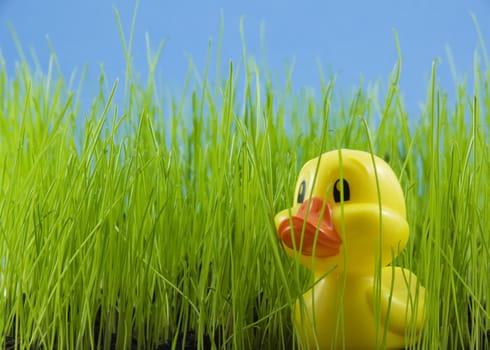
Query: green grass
(153,216)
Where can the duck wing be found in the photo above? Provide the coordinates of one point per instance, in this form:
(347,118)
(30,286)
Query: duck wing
(401,300)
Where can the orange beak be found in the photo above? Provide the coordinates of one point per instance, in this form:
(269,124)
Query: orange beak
(311,232)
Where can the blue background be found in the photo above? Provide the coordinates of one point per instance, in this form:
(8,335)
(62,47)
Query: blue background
(349,38)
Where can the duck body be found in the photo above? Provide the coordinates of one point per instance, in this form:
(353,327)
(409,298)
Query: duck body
(362,322)
(346,225)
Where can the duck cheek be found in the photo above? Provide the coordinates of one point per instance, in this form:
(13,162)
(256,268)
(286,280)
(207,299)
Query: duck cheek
(360,226)
(395,235)
(358,222)
(365,237)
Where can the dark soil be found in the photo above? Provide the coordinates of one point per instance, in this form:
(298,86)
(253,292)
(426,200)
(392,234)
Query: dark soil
(187,341)
(190,343)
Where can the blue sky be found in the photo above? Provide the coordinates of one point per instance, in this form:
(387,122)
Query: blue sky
(350,38)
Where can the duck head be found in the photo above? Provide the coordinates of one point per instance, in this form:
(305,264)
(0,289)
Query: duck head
(348,211)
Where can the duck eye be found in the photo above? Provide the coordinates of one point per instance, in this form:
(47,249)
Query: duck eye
(301,192)
(337,192)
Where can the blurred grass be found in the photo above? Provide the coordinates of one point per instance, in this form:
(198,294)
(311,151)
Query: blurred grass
(151,219)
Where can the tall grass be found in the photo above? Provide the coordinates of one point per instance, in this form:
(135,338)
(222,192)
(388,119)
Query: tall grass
(150,220)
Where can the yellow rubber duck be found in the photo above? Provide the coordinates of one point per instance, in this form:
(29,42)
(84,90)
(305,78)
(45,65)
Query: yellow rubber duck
(340,229)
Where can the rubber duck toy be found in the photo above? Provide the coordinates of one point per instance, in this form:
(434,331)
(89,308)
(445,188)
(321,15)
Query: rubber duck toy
(347,224)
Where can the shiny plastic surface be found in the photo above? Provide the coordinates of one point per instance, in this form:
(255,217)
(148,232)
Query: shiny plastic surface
(349,214)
